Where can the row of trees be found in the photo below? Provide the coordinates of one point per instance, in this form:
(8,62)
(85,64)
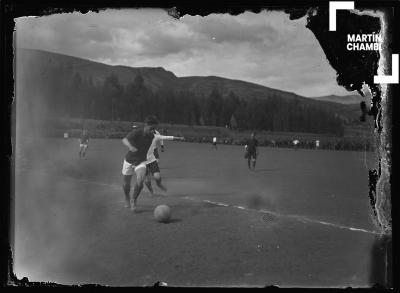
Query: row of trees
(110,100)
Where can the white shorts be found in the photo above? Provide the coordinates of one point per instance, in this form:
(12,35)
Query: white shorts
(83,146)
(129,169)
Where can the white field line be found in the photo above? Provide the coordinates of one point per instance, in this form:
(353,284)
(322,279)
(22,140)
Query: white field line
(296,217)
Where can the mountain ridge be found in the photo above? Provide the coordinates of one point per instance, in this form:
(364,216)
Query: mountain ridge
(157,77)
(54,72)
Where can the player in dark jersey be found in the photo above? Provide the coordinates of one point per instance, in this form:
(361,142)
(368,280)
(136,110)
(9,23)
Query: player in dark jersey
(139,143)
(251,151)
(83,143)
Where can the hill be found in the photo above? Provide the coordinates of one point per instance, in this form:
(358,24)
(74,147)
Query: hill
(37,60)
(74,87)
(348,99)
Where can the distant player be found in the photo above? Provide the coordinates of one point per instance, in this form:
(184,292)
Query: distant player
(251,151)
(140,142)
(317,144)
(83,143)
(214,142)
(295,143)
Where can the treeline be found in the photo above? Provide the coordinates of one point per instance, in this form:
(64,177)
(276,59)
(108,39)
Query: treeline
(70,95)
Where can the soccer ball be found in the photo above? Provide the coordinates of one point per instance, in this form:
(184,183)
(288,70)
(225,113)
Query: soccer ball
(162,213)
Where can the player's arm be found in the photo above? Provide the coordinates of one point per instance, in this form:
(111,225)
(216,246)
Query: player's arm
(160,137)
(126,142)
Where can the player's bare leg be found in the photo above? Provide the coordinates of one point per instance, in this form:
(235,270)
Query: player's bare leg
(126,186)
(157,177)
(254,164)
(147,182)
(140,177)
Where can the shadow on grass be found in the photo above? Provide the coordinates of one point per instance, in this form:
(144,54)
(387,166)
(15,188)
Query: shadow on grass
(169,167)
(158,195)
(265,170)
(141,210)
(170,221)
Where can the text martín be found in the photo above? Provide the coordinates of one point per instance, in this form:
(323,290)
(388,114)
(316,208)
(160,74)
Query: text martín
(363,42)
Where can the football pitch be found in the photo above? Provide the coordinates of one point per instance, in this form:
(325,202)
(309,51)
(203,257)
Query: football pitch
(301,219)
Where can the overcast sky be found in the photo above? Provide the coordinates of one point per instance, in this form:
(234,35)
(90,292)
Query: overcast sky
(265,48)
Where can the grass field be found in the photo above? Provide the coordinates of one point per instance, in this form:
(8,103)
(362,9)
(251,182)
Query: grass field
(301,219)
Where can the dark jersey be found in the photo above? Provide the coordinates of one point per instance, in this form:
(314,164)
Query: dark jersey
(141,141)
(84,138)
(252,145)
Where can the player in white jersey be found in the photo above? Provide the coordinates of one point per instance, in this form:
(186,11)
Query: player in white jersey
(154,166)
(152,161)
(295,143)
(214,142)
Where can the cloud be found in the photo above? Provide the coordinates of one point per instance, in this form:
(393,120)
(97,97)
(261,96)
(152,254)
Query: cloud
(227,28)
(265,48)
(66,34)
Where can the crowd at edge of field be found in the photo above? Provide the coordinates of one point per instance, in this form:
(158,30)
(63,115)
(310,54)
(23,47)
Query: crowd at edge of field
(104,129)
(328,143)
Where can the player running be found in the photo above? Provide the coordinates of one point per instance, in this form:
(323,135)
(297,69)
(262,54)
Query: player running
(251,151)
(214,142)
(153,168)
(140,143)
(295,143)
(83,143)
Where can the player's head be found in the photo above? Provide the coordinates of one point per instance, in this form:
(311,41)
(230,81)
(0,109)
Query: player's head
(150,123)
